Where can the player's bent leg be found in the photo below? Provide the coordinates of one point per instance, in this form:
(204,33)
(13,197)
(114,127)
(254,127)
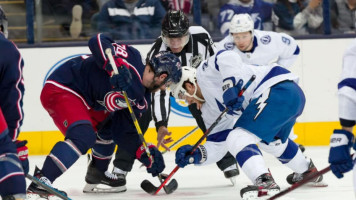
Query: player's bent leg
(123,161)
(79,138)
(243,144)
(289,154)
(97,174)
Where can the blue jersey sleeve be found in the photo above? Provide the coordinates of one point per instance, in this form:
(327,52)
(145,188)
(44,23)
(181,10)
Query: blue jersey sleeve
(97,45)
(11,86)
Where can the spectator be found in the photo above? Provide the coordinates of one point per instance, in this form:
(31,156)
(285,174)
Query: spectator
(298,17)
(343,16)
(131,19)
(260,11)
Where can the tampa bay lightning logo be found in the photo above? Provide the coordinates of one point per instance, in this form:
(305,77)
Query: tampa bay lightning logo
(229,46)
(180,107)
(265,39)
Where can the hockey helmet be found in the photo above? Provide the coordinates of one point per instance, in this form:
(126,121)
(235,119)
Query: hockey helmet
(175,29)
(166,62)
(241,23)
(175,24)
(3,22)
(177,87)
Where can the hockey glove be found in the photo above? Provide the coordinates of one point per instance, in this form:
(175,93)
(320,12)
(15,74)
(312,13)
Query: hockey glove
(231,97)
(339,157)
(184,158)
(154,166)
(121,81)
(22,152)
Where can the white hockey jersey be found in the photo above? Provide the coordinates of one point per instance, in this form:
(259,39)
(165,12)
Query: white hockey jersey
(225,69)
(349,62)
(268,47)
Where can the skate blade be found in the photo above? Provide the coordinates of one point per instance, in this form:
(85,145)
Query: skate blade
(233,181)
(255,195)
(100,188)
(317,184)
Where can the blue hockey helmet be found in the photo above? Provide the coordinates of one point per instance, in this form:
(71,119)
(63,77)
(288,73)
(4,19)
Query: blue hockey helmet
(166,62)
(3,22)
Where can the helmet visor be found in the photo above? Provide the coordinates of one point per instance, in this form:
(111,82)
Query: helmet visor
(175,43)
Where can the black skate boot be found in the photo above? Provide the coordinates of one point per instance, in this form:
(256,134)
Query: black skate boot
(231,173)
(264,185)
(317,182)
(35,191)
(112,183)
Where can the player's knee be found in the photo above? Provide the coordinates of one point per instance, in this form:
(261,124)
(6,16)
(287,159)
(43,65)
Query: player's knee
(14,184)
(104,147)
(82,136)
(276,148)
(246,153)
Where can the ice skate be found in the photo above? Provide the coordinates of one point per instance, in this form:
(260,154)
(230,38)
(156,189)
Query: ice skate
(231,173)
(264,186)
(103,182)
(317,182)
(35,191)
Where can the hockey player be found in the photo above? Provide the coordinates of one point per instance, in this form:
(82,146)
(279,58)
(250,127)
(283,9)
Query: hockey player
(84,91)
(343,139)
(13,153)
(192,44)
(265,114)
(260,47)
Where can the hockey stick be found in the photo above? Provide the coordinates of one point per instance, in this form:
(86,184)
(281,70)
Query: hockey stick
(178,141)
(181,139)
(147,185)
(205,134)
(300,183)
(47,187)
(171,187)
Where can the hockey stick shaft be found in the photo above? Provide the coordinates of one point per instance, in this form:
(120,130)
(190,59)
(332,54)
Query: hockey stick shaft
(182,138)
(134,119)
(300,183)
(47,187)
(178,141)
(206,133)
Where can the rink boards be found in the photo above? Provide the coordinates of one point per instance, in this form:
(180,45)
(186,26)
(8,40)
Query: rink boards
(318,66)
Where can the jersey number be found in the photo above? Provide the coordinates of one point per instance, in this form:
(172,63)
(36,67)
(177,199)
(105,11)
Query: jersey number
(120,50)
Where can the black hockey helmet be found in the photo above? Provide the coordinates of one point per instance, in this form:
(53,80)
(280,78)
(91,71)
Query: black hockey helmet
(3,22)
(166,62)
(175,24)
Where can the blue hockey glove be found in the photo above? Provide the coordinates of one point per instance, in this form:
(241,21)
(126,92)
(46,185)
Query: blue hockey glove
(153,167)
(231,97)
(183,158)
(339,157)
(22,152)
(121,81)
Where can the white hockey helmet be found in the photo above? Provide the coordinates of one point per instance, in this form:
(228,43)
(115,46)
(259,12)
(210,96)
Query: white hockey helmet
(241,23)
(177,88)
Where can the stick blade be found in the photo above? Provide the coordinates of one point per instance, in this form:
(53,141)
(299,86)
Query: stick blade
(148,187)
(171,186)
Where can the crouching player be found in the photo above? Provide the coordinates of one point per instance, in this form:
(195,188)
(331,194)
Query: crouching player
(264,114)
